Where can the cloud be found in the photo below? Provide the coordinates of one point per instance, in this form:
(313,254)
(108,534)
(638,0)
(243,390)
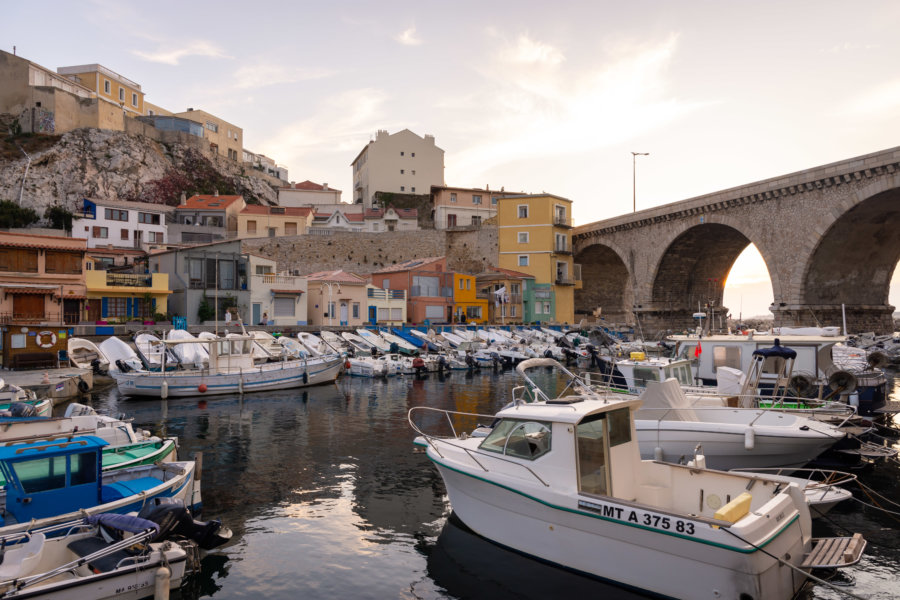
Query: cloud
(408,37)
(171,56)
(877,101)
(261,75)
(539,106)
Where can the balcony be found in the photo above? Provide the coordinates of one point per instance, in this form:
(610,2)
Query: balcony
(129,280)
(272,278)
(565,280)
(561,221)
(382,294)
(561,249)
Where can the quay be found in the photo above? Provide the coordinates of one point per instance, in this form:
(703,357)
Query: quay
(60,385)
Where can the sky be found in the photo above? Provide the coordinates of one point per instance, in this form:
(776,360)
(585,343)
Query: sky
(530,96)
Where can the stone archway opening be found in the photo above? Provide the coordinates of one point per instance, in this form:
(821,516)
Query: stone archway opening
(691,277)
(748,287)
(853,265)
(607,287)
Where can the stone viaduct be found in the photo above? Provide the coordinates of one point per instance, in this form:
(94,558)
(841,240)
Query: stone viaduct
(829,236)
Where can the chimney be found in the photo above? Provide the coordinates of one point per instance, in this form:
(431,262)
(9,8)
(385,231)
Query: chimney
(183,198)
(325,186)
(216,193)
(190,109)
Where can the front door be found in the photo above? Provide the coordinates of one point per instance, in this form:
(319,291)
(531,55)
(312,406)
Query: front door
(373,315)
(71,312)
(344,316)
(256,314)
(94,307)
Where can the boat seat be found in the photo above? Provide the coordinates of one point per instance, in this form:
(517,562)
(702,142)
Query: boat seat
(21,559)
(104,564)
(122,489)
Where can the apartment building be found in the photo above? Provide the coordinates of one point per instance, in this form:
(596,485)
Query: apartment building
(206,218)
(428,286)
(469,305)
(308,193)
(122,224)
(277,299)
(273,221)
(108,85)
(399,163)
(535,237)
(464,207)
(225,139)
(336,298)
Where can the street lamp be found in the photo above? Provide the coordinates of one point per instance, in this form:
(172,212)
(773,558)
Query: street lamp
(634,156)
(330,285)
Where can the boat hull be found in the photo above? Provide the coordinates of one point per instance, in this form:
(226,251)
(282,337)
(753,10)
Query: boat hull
(271,376)
(616,550)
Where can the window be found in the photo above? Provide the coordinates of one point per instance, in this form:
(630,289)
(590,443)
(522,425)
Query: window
(512,309)
(515,288)
(476,199)
(523,211)
(413,155)
(434,312)
(726,356)
(453,197)
(284,307)
(42,474)
(494,200)
(413,190)
(101,232)
(385,284)
(19,261)
(290,229)
(114,214)
(476,221)
(396,314)
(523,260)
(212,127)
(521,439)
(106,88)
(401,171)
(263,269)
(468,284)
(121,94)
(402,188)
(426,286)
(643,374)
(133,99)
(383,314)
(148,218)
(460,284)
(156,237)
(62,262)
(591,447)
(562,243)
(523,237)
(124,234)
(473,312)
(226,275)
(547,309)
(115,307)
(251,226)
(355,312)
(401,153)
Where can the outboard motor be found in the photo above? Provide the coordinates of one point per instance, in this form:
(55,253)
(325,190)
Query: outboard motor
(595,362)
(21,410)
(95,367)
(548,353)
(442,364)
(471,362)
(419,365)
(394,348)
(123,367)
(175,520)
(495,360)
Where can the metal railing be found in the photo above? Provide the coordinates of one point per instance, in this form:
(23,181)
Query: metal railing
(383,294)
(562,221)
(128,280)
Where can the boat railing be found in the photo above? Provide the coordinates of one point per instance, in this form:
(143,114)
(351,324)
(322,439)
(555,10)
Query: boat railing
(473,454)
(823,479)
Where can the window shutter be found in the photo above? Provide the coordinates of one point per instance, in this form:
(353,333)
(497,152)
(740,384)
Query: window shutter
(104,307)
(128,307)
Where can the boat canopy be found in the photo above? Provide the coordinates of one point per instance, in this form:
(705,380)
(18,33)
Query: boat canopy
(776,351)
(666,400)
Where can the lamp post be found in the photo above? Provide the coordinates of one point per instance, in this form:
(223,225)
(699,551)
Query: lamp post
(634,156)
(331,285)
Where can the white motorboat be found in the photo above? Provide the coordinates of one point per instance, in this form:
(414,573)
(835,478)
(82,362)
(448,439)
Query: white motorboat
(561,479)
(822,488)
(85,354)
(403,346)
(670,427)
(335,341)
(374,339)
(189,355)
(151,350)
(119,353)
(232,369)
(357,343)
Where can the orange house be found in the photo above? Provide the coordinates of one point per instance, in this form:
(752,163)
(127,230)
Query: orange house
(428,286)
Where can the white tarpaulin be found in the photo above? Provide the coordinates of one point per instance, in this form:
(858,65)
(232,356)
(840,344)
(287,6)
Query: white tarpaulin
(666,401)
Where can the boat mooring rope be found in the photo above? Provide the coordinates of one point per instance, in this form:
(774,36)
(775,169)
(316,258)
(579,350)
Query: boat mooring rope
(806,575)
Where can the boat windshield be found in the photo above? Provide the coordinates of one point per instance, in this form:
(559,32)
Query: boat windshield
(592,475)
(521,439)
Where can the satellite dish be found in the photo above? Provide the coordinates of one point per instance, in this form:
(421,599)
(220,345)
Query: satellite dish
(802,385)
(843,382)
(877,360)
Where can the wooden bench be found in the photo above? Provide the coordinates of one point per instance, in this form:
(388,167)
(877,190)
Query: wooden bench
(33,360)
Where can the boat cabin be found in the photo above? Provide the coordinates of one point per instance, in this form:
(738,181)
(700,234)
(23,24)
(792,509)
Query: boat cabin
(50,477)
(632,374)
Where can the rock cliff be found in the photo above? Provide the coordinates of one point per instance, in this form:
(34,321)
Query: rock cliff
(114,165)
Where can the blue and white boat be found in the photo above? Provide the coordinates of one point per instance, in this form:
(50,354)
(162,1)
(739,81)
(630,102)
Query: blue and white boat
(57,480)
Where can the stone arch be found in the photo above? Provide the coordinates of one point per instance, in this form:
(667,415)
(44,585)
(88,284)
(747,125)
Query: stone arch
(853,260)
(607,284)
(693,268)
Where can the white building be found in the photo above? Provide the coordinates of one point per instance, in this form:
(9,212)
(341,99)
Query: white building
(307,193)
(399,163)
(121,224)
(281,298)
(391,219)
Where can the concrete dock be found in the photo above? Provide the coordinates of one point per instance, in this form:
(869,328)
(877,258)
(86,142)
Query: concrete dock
(60,385)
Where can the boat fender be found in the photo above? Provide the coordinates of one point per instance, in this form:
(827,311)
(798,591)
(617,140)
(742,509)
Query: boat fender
(347,364)
(658,454)
(201,388)
(164,390)
(749,439)
(83,386)
(548,353)
(305,377)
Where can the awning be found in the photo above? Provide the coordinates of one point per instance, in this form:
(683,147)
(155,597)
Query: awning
(71,296)
(287,291)
(24,290)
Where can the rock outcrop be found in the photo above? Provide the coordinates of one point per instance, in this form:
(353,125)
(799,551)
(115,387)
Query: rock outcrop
(114,165)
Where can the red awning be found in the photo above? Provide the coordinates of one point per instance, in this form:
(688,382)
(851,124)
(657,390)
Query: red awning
(23,290)
(287,291)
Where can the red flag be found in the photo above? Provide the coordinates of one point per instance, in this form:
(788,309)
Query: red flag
(698,350)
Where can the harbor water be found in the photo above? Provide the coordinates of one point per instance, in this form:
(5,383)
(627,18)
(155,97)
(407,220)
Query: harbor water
(327,498)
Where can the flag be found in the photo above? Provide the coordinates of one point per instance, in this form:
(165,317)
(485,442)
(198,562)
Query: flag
(698,350)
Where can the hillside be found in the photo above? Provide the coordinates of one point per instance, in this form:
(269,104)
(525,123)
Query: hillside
(113,165)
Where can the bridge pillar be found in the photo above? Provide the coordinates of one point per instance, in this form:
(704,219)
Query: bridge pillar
(860,317)
(657,323)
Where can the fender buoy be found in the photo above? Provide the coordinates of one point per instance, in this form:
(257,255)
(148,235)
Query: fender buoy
(201,388)
(83,386)
(39,340)
(347,364)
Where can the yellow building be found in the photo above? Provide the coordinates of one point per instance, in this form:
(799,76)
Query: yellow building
(108,85)
(224,138)
(119,297)
(385,307)
(535,237)
(468,305)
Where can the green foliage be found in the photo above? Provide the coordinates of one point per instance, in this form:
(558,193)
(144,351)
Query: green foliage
(206,312)
(59,217)
(13,215)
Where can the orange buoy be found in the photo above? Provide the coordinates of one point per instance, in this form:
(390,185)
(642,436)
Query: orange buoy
(201,388)
(347,364)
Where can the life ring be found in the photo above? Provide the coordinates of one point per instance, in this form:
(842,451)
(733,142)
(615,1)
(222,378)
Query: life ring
(40,339)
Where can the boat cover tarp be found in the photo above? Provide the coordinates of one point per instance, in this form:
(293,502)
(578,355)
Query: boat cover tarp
(188,354)
(776,351)
(665,400)
(729,381)
(823,331)
(127,523)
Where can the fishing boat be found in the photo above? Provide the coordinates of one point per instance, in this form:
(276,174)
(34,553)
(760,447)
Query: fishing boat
(561,479)
(822,488)
(77,486)
(85,354)
(232,368)
(403,346)
(150,349)
(374,340)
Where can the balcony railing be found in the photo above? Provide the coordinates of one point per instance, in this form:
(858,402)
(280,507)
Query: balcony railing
(128,280)
(382,294)
(272,278)
(562,249)
(564,280)
(561,221)
(30,317)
